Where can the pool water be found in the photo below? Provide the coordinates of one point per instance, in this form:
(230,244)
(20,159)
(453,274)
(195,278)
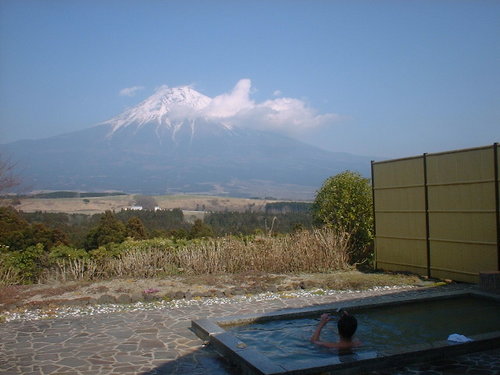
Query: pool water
(379,329)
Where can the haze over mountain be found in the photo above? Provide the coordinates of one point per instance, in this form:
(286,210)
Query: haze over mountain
(181,141)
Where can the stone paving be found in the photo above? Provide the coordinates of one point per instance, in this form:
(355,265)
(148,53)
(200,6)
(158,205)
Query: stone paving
(161,342)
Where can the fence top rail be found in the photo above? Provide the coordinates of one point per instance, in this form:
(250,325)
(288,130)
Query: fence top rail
(463,150)
(437,154)
(398,159)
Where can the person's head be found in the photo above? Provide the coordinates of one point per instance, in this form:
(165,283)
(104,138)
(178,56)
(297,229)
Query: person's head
(347,325)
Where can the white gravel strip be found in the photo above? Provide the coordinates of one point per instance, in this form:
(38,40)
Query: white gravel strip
(76,311)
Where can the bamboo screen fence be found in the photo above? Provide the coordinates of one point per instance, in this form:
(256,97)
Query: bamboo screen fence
(438,214)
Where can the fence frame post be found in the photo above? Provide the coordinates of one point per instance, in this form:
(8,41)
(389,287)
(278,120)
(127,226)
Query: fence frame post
(374,219)
(427,225)
(497,201)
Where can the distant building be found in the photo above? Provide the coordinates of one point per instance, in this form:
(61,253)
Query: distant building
(140,208)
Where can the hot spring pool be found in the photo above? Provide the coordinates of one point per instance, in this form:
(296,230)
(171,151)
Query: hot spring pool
(379,329)
(403,331)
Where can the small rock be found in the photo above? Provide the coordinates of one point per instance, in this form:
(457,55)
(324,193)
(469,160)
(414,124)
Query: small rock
(201,294)
(149,297)
(76,302)
(170,295)
(106,298)
(253,290)
(136,297)
(11,306)
(179,295)
(237,291)
(124,299)
(309,284)
(219,294)
(272,288)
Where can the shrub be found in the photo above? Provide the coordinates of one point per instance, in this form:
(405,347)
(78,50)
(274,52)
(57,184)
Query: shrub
(200,230)
(345,202)
(67,252)
(27,264)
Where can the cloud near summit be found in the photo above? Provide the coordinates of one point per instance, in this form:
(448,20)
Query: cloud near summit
(130,91)
(287,115)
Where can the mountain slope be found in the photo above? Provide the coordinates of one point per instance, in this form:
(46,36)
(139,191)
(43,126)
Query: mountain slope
(171,143)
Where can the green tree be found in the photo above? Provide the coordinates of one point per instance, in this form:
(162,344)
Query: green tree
(109,230)
(18,234)
(200,229)
(135,228)
(41,234)
(11,220)
(345,202)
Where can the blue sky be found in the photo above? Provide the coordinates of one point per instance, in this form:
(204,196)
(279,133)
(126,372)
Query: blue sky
(394,78)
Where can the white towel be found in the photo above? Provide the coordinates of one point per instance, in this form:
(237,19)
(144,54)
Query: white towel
(455,337)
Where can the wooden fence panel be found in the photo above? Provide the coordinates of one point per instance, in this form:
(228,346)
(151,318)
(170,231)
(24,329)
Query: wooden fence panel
(438,214)
(462,229)
(399,206)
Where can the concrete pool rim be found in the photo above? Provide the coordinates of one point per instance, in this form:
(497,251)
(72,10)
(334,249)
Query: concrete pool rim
(252,362)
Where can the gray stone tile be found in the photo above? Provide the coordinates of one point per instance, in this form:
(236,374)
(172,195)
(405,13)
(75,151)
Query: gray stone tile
(161,342)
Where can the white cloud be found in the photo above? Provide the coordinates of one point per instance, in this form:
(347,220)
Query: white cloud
(235,109)
(277,93)
(130,91)
(293,114)
(228,105)
(287,115)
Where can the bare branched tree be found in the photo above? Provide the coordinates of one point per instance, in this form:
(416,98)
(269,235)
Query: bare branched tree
(146,201)
(8,179)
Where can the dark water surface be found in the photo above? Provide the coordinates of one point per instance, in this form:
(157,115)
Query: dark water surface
(378,328)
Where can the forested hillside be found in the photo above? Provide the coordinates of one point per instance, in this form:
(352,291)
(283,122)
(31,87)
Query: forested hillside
(75,229)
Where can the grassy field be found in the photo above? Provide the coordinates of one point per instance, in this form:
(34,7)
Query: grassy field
(316,251)
(119,202)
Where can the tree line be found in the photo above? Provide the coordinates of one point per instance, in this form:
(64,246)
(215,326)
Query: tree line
(343,201)
(19,230)
(29,240)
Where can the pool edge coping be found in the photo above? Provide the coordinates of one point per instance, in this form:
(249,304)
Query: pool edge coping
(252,362)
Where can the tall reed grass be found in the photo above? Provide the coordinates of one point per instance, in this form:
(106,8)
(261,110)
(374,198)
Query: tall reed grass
(9,275)
(318,250)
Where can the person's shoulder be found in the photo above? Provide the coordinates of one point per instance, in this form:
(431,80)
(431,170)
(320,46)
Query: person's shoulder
(349,344)
(356,343)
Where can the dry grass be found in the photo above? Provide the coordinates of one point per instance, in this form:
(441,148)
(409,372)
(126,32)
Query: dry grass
(95,205)
(355,280)
(320,250)
(73,269)
(305,251)
(9,276)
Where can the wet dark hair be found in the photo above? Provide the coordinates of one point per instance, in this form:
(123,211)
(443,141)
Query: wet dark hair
(347,325)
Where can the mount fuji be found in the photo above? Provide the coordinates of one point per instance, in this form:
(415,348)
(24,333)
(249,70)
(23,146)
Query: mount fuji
(179,141)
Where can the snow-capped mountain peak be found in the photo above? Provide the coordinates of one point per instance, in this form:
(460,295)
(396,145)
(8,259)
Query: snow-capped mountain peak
(166,107)
(181,141)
